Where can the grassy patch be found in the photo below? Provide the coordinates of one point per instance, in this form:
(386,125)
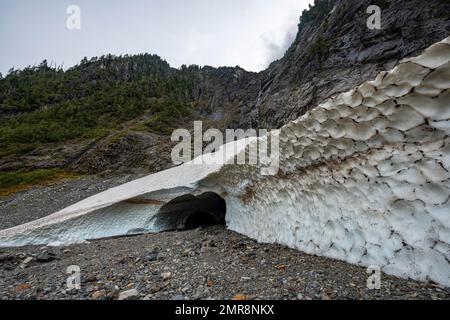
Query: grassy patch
(13,182)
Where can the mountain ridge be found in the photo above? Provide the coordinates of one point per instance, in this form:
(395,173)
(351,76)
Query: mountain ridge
(116,114)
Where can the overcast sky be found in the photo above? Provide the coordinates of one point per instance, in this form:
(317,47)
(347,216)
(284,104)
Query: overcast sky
(248,33)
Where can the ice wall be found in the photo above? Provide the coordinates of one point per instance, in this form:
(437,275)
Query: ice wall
(364,177)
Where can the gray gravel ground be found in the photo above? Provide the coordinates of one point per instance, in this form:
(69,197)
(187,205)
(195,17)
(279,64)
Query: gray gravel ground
(206,263)
(42,201)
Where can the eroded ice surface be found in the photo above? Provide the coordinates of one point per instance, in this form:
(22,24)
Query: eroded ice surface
(364,177)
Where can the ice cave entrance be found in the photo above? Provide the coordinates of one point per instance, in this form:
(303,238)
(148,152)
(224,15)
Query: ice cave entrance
(189,212)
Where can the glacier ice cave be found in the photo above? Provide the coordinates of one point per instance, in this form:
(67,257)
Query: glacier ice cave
(364,177)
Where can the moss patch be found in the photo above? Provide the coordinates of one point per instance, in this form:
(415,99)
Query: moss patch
(13,182)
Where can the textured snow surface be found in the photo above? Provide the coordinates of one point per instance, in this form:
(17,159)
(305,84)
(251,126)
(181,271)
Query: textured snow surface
(364,177)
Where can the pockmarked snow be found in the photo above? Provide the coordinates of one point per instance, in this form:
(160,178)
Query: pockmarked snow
(364,177)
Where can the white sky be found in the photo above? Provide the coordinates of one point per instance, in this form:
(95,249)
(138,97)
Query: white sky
(248,33)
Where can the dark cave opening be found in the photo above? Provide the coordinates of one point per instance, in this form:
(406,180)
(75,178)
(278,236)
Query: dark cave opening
(190,212)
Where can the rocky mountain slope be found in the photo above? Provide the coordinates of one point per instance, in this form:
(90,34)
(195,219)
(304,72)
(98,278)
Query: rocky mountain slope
(115,114)
(109,113)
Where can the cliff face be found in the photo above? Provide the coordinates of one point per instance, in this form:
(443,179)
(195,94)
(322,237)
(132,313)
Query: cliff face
(139,100)
(334,51)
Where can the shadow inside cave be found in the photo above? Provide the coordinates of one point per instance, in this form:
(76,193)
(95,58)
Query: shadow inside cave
(190,212)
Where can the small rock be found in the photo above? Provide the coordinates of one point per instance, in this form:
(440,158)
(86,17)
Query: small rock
(324,296)
(97,295)
(90,278)
(156,288)
(129,294)
(22,287)
(166,275)
(26,262)
(239,297)
(208,244)
(45,257)
(178,298)
(21,255)
(152,257)
(186,253)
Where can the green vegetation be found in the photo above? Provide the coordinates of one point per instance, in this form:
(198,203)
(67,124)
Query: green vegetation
(12,182)
(44,105)
(47,105)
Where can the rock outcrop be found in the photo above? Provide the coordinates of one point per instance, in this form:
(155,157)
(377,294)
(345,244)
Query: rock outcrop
(334,51)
